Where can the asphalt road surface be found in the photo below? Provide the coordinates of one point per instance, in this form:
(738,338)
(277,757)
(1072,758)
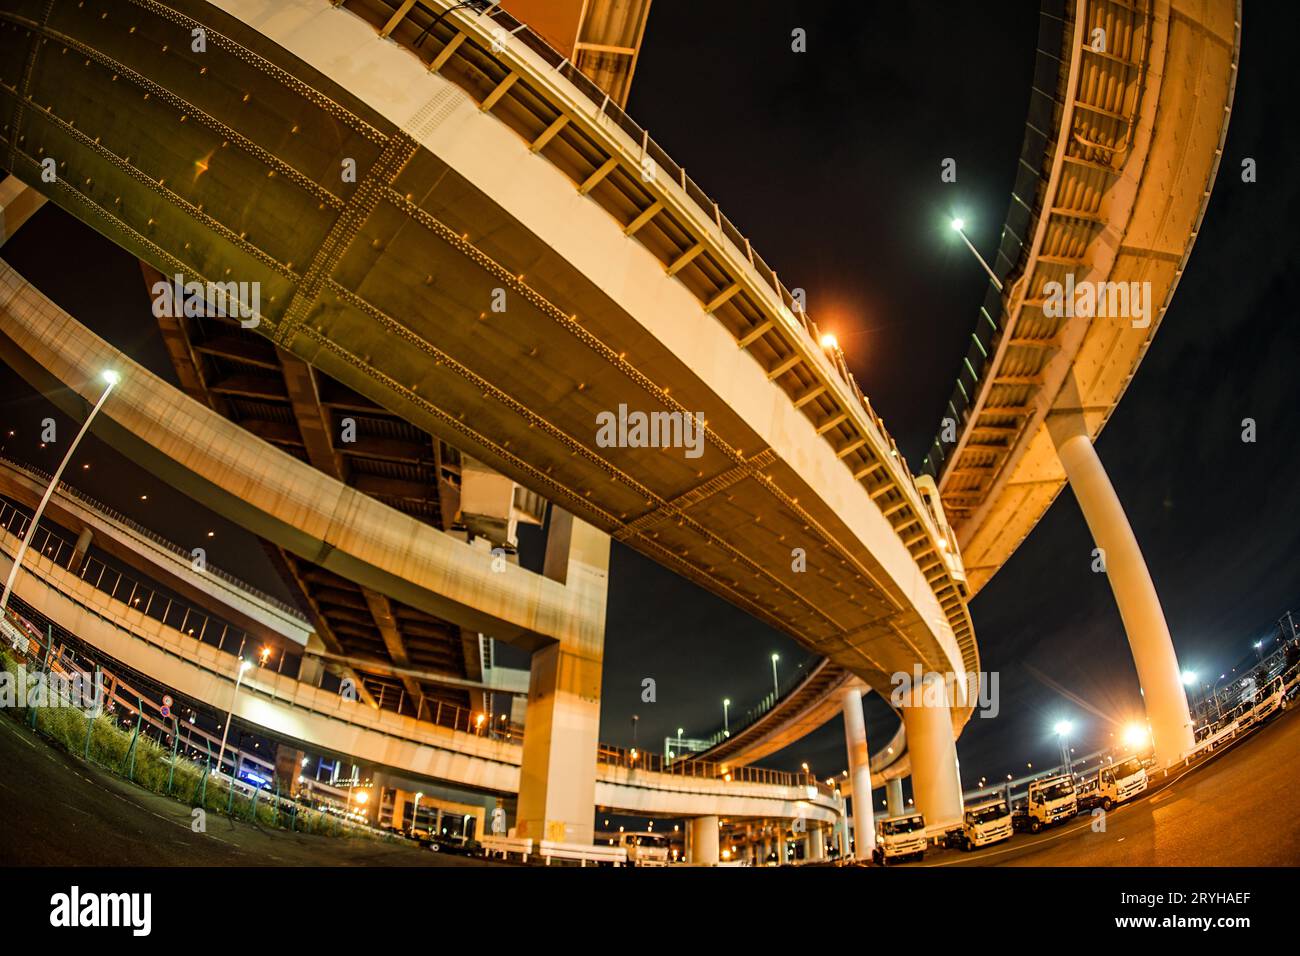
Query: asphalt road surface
(57,811)
(1239,808)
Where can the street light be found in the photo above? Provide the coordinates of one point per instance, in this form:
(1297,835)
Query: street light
(415,810)
(957,226)
(726,724)
(1063,728)
(111,378)
(225,732)
(776,684)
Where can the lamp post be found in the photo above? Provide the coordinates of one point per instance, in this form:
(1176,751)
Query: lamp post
(1189,681)
(415,810)
(111,378)
(726,723)
(1063,728)
(243,666)
(776,685)
(957,226)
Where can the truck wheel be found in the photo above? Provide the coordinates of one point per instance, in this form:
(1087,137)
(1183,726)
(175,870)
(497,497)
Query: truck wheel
(1034,826)
(1108,804)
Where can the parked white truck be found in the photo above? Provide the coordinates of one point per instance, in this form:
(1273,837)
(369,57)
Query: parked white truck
(1052,800)
(1120,781)
(988,821)
(899,838)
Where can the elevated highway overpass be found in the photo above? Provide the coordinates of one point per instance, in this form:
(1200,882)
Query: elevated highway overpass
(1128,113)
(290,702)
(487,171)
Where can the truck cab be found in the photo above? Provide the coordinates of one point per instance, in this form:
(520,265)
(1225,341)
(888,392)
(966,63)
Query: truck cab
(645,849)
(1121,781)
(986,822)
(899,838)
(1051,801)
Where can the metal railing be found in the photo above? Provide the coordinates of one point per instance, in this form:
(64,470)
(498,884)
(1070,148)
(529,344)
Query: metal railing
(634,759)
(1018,230)
(105,511)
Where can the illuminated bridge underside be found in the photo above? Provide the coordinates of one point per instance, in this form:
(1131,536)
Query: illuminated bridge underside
(1119,199)
(324,722)
(807,707)
(490,174)
(1125,208)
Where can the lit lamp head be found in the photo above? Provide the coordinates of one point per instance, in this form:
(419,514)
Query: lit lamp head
(1135,735)
(829,342)
(958,224)
(1063,728)
(1189,678)
(111,378)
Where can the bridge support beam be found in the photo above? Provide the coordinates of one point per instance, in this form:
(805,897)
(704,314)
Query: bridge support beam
(18,202)
(936,784)
(1135,593)
(855,738)
(817,843)
(704,841)
(557,776)
(894,796)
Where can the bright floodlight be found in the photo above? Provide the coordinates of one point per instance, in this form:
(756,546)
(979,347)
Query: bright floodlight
(829,341)
(1135,735)
(244,665)
(958,224)
(111,377)
(1189,678)
(1063,727)
(776,657)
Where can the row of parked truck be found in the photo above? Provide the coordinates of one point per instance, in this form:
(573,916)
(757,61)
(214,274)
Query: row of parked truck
(1050,801)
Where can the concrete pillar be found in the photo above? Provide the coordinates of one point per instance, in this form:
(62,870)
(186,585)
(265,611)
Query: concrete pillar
(855,738)
(817,843)
(704,841)
(1139,606)
(17,203)
(399,808)
(894,796)
(312,669)
(557,777)
(288,768)
(79,551)
(936,783)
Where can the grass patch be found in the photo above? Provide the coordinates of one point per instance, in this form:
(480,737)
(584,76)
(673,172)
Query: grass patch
(151,766)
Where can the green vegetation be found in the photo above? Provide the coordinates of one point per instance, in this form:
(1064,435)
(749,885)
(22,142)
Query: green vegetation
(149,765)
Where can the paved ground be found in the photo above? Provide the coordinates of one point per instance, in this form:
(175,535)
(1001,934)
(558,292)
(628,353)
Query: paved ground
(57,811)
(1241,808)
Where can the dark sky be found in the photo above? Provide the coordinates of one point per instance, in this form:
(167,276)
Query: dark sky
(829,162)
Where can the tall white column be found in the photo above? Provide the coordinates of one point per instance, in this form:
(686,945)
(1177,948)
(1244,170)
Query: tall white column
(932,752)
(1135,593)
(855,739)
(704,841)
(894,796)
(557,775)
(817,842)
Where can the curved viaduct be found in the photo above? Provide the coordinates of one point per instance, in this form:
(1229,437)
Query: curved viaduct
(1128,114)
(440,215)
(304,714)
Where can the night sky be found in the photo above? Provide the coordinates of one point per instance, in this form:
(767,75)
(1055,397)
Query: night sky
(829,162)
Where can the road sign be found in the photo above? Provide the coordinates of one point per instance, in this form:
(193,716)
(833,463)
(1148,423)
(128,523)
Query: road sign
(165,711)
(167,700)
